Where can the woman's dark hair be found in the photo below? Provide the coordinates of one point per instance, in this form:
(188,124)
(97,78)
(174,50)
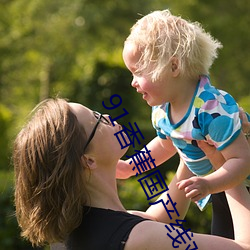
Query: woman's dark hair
(49,180)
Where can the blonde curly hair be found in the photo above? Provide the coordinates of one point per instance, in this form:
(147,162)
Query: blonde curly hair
(49,181)
(161,36)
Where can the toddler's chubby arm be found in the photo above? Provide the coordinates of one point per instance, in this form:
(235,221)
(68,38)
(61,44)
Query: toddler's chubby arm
(233,160)
(161,151)
(157,212)
(235,168)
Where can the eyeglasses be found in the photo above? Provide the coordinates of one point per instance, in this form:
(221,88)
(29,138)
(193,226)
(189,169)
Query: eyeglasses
(100,118)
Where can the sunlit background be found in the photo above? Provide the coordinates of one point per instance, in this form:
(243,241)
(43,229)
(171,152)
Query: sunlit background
(72,48)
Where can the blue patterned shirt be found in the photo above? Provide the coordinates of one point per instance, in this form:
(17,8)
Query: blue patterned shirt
(213,115)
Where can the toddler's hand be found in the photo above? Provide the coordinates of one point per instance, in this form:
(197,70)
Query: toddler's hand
(194,187)
(124,170)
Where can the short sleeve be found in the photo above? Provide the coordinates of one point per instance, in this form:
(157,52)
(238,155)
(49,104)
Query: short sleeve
(219,120)
(159,121)
(162,136)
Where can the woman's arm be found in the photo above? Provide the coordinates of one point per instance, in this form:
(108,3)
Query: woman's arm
(157,212)
(239,203)
(153,235)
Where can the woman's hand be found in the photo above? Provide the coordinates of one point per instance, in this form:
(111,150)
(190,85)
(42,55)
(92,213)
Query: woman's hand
(215,157)
(245,124)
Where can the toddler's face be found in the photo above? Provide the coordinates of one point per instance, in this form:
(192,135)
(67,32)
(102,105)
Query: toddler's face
(152,92)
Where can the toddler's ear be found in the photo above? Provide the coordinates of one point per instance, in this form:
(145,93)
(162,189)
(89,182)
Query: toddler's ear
(175,66)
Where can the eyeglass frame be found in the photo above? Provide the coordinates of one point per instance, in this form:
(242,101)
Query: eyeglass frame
(100,118)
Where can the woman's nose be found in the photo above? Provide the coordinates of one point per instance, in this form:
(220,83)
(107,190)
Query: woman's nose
(108,118)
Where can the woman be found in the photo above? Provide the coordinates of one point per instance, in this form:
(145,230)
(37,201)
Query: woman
(65,187)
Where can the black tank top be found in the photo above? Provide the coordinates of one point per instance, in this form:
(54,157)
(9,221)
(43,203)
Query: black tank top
(102,229)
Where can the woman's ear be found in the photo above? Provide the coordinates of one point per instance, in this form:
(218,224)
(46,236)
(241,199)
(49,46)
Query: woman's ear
(90,161)
(175,66)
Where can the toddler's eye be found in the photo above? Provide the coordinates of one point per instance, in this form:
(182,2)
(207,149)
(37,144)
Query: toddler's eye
(137,73)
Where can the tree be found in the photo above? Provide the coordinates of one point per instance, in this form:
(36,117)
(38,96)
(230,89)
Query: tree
(72,48)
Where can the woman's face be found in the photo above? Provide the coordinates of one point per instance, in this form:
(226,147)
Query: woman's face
(104,143)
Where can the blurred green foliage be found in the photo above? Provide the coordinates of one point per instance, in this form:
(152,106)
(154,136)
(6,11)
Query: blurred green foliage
(72,48)
(9,231)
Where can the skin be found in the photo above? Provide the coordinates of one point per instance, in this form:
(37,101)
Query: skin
(152,235)
(178,91)
(211,152)
(245,122)
(101,184)
(100,160)
(167,89)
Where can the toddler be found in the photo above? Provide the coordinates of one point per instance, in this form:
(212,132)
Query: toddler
(170,59)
